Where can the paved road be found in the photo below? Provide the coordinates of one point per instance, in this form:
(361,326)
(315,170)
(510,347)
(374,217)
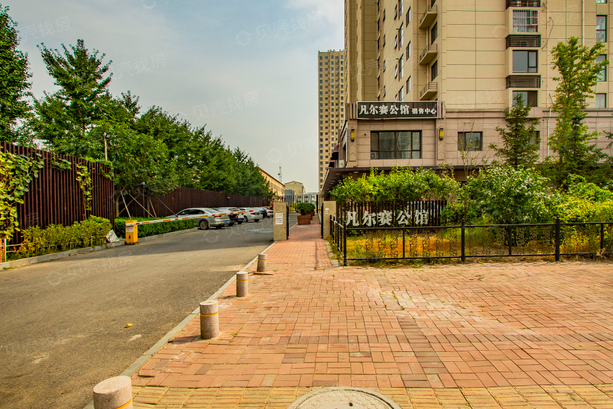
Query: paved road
(62,323)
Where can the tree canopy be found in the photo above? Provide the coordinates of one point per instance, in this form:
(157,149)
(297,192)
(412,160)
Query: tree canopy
(14,86)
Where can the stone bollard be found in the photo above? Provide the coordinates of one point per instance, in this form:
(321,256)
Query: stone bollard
(113,393)
(209,319)
(262,263)
(242,284)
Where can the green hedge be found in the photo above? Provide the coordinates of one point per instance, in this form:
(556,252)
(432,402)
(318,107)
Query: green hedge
(153,229)
(54,238)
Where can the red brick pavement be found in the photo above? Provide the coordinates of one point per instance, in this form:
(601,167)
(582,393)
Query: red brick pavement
(473,325)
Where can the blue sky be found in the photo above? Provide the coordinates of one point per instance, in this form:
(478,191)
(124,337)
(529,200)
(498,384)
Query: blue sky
(246,69)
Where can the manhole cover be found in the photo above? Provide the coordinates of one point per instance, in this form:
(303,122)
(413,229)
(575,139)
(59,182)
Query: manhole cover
(343,398)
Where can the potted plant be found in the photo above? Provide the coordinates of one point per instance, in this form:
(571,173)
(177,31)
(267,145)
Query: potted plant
(304,217)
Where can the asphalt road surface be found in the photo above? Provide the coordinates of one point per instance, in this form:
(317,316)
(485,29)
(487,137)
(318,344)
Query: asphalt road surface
(63,323)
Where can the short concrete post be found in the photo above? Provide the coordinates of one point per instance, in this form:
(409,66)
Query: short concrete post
(262,263)
(113,393)
(209,319)
(242,284)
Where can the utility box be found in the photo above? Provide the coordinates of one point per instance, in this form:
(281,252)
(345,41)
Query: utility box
(131,232)
(280,226)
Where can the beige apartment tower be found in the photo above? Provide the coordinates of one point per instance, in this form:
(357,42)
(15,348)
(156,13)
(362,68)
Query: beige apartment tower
(427,81)
(331,69)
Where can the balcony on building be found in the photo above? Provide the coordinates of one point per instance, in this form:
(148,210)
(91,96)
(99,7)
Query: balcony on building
(523,3)
(524,81)
(428,54)
(524,40)
(429,91)
(429,16)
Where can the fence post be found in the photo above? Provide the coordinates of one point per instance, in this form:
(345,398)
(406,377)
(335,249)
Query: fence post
(403,245)
(558,238)
(463,241)
(601,237)
(510,243)
(345,245)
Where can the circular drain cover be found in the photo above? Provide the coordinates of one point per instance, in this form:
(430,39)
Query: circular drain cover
(343,398)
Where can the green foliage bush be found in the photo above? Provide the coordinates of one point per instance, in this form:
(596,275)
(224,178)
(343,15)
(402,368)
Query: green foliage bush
(513,196)
(305,208)
(54,238)
(405,184)
(585,202)
(153,229)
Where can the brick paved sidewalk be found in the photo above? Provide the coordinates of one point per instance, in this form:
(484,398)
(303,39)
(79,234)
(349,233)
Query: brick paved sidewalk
(485,335)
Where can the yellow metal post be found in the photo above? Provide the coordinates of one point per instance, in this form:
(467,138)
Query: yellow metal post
(131,233)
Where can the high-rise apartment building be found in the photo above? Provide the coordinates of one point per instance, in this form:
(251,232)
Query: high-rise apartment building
(427,81)
(331,66)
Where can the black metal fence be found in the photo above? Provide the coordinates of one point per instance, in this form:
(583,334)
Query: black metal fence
(472,241)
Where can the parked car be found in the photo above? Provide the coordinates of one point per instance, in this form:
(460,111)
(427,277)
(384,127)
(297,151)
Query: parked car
(240,213)
(231,213)
(212,219)
(269,211)
(252,214)
(261,210)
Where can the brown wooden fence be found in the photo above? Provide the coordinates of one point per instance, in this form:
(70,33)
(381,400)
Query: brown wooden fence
(55,197)
(182,198)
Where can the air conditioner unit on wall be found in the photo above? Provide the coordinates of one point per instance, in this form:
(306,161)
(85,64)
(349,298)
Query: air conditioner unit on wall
(341,163)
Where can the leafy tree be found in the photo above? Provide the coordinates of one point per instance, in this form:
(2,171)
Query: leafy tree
(14,75)
(66,117)
(520,140)
(512,196)
(578,75)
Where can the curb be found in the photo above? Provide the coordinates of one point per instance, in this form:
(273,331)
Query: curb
(164,340)
(55,256)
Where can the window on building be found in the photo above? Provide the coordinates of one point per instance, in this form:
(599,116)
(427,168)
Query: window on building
(401,64)
(408,16)
(525,61)
(434,33)
(409,50)
(434,70)
(601,1)
(528,97)
(525,21)
(395,145)
(409,84)
(470,141)
(601,29)
(601,100)
(602,76)
(400,93)
(400,36)
(396,41)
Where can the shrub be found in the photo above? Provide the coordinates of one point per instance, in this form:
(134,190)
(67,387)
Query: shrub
(153,229)
(513,196)
(585,202)
(305,208)
(53,238)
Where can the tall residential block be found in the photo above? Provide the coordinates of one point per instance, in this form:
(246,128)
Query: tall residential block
(428,81)
(331,66)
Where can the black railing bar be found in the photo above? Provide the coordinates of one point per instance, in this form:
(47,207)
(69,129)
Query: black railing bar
(402,228)
(400,258)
